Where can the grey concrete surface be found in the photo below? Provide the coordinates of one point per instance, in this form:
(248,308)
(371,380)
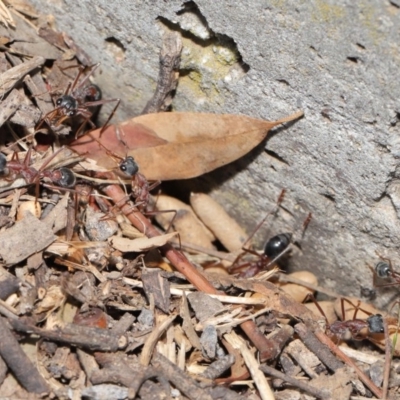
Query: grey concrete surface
(337,60)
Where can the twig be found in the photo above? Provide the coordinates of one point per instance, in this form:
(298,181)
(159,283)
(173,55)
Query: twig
(217,368)
(359,355)
(187,385)
(237,342)
(179,261)
(221,298)
(19,363)
(388,359)
(152,340)
(319,393)
(321,351)
(170,57)
(77,335)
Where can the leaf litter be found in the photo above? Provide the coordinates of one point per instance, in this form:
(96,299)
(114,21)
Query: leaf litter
(114,307)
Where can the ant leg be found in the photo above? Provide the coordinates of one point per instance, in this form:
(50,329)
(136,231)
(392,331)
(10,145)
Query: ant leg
(83,124)
(103,128)
(72,208)
(157,212)
(118,136)
(357,308)
(306,223)
(278,203)
(71,86)
(154,185)
(310,296)
(27,159)
(91,68)
(236,266)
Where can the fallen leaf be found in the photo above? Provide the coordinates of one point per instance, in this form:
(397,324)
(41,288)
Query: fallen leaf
(178,145)
(141,244)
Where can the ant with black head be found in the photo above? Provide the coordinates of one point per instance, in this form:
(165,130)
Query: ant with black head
(356,329)
(273,250)
(78,99)
(10,170)
(385,271)
(140,186)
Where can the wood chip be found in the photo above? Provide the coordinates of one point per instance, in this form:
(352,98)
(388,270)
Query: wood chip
(10,78)
(24,238)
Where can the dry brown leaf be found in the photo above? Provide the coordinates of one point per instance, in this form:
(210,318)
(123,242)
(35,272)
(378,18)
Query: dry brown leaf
(179,145)
(141,244)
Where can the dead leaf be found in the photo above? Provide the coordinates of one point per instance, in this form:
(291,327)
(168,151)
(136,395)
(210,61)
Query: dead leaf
(141,244)
(170,146)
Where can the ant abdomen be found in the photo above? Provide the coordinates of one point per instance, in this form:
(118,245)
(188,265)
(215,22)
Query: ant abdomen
(382,269)
(277,245)
(64,177)
(3,163)
(92,93)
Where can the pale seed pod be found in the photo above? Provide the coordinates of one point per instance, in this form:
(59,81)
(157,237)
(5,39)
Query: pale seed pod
(299,292)
(190,228)
(224,227)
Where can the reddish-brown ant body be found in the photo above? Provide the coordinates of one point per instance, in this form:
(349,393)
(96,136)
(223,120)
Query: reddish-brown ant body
(356,329)
(141,187)
(10,170)
(78,100)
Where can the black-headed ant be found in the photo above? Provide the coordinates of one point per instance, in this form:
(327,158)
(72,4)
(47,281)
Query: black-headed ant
(273,250)
(78,100)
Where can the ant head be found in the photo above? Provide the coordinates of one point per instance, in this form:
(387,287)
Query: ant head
(3,163)
(382,269)
(65,177)
(68,104)
(128,166)
(375,323)
(277,245)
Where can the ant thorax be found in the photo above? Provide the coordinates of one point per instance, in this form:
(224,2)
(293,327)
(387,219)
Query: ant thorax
(67,104)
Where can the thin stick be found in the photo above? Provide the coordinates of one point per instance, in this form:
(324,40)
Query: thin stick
(261,382)
(388,360)
(19,363)
(152,340)
(319,393)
